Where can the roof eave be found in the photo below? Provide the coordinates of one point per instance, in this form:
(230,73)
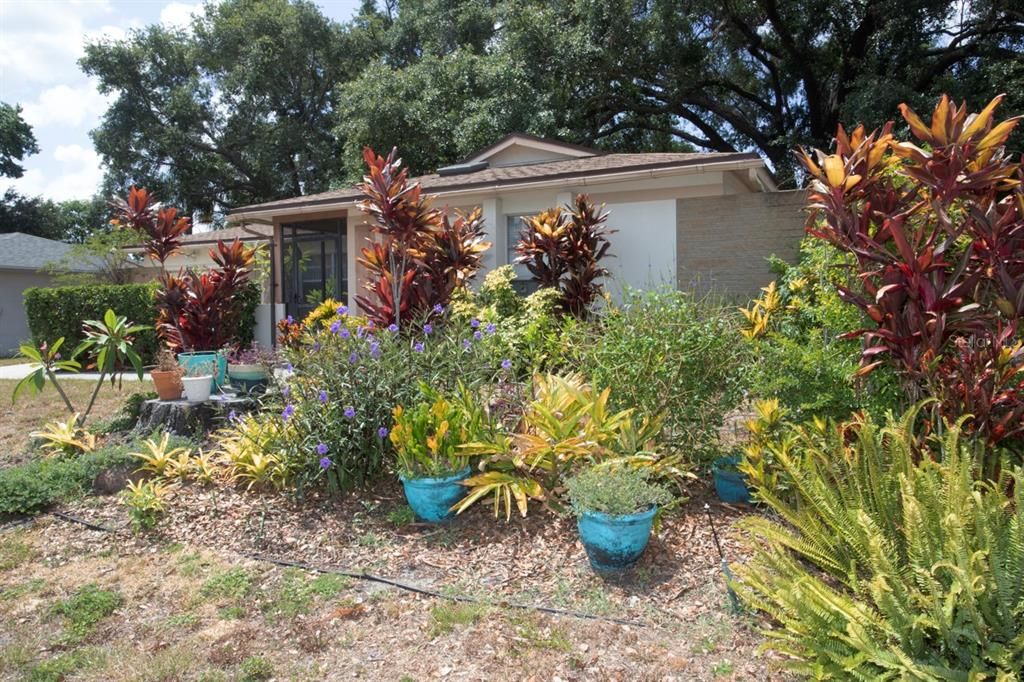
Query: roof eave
(741,161)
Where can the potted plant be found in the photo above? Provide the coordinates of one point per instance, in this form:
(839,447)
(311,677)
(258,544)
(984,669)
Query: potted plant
(248,368)
(730,482)
(198,381)
(615,506)
(167,376)
(428,440)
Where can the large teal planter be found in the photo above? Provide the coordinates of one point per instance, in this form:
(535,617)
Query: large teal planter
(432,498)
(730,484)
(614,542)
(203,357)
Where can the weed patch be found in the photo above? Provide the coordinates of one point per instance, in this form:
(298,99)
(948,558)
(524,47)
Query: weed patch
(446,617)
(85,608)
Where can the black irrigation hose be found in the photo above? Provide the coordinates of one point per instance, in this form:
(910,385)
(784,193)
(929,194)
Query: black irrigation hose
(369,577)
(438,595)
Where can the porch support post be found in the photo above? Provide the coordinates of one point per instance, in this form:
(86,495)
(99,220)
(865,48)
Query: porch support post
(494,227)
(353,246)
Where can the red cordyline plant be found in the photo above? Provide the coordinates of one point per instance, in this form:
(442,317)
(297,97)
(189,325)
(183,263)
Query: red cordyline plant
(937,231)
(195,311)
(422,257)
(563,249)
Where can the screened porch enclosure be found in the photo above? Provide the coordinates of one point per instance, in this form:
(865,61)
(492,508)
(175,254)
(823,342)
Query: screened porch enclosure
(314,264)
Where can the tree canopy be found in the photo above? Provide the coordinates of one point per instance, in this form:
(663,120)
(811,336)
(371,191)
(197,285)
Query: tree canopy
(262,99)
(16,141)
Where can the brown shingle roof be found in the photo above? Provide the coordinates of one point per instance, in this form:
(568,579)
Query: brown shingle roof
(539,172)
(230,234)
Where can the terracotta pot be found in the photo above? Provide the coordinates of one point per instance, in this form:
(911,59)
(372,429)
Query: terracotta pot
(167,383)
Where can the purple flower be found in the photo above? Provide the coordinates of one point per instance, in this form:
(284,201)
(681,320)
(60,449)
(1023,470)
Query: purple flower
(321,449)
(490,328)
(232,416)
(345,333)
(375,350)
(466,344)
(325,462)
(289,410)
(316,346)
(290,320)
(474,323)
(342,310)
(290,368)
(335,326)
(506,364)
(322,397)
(382,432)
(438,309)
(477,335)
(360,331)
(427,328)
(418,347)
(286,390)
(353,358)
(393,328)
(370,325)
(350,412)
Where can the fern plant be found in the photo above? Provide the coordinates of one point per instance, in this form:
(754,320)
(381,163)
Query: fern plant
(894,562)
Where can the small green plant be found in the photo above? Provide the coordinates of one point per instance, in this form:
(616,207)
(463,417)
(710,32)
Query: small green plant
(161,456)
(615,490)
(297,593)
(402,516)
(65,438)
(85,608)
(145,503)
(256,669)
(232,584)
(446,617)
(14,551)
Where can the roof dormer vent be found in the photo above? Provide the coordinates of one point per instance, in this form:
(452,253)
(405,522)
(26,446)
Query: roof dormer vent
(462,168)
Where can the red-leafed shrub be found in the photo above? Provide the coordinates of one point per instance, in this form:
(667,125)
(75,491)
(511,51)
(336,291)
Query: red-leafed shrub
(937,233)
(195,311)
(422,257)
(563,249)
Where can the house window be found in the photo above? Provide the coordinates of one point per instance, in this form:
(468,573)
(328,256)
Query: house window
(523,282)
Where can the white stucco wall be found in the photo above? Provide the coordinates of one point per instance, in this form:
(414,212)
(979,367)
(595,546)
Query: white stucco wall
(644,247)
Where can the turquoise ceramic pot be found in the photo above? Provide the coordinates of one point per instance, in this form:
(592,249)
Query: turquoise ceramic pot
(432,498)
(731,485)
(615,542)
(203,357)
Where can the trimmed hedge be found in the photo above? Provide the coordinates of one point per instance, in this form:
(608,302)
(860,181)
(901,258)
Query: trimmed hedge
(54,312)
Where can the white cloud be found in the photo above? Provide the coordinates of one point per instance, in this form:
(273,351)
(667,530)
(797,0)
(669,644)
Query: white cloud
(66,105)
(75,172)
(179,14)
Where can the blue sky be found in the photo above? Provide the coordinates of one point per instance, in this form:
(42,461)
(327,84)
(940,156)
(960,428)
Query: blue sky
(40,43)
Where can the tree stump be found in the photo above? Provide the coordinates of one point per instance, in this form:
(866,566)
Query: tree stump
(184,418)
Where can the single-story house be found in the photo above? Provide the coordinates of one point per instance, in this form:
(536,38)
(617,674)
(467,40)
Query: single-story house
(692,220)
(22,259)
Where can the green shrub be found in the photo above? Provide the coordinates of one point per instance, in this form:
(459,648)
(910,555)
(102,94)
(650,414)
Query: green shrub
(35,485)
(54,312)
(669,353)
(797,357)
(893,563)
(615,491)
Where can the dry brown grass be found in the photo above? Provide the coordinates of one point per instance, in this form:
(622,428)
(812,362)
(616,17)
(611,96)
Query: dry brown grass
(32,411)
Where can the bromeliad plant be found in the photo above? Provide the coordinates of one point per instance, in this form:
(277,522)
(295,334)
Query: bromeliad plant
(195,311)
(423,257)
(567,426)
(428,436)
(937,236)
(563,250)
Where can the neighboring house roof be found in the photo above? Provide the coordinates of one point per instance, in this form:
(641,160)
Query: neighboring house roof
(585,167)
(527,140)
(229,234)
(20,251)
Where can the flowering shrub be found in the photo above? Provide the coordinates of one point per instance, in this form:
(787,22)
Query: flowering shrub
(330,419)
